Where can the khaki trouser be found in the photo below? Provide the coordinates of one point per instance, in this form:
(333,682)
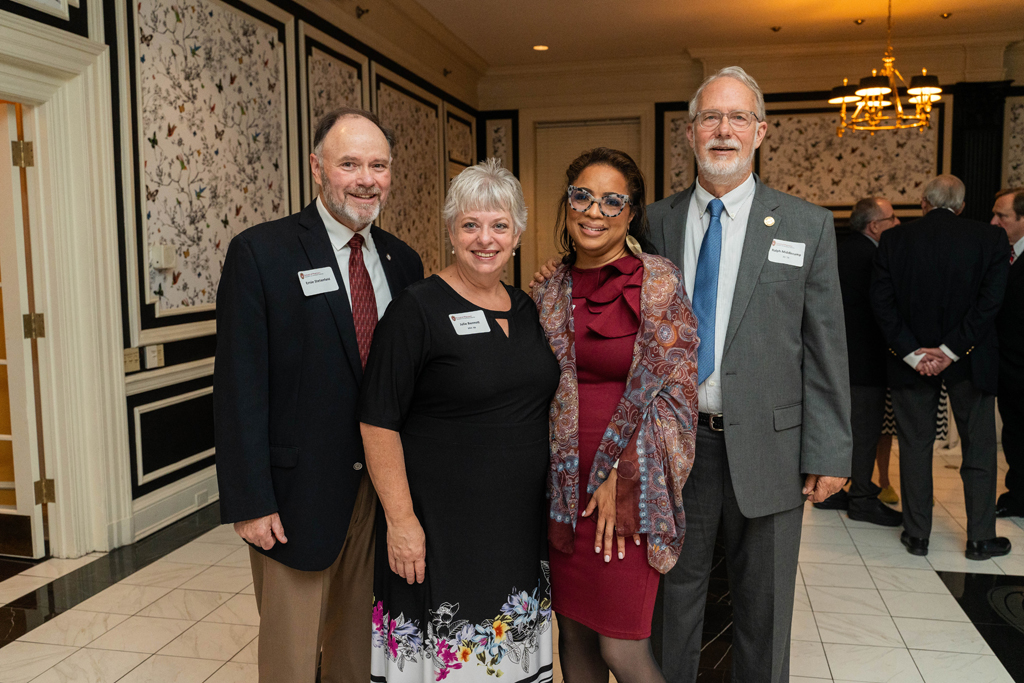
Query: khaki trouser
(304,612)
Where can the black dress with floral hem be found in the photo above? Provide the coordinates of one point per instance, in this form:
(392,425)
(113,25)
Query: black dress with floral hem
(471,410)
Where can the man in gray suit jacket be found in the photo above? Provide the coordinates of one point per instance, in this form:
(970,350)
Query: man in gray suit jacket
(774,395)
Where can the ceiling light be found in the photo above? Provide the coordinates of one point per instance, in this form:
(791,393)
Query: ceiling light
(946,15)
(540,48)
(880,91)
(776,29)
(858,21)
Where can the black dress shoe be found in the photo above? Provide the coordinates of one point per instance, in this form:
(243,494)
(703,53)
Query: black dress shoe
(839,500)
(993,547)
(874,511)
(1009,505)
(915,546)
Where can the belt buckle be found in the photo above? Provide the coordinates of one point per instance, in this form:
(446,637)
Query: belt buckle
(716,418)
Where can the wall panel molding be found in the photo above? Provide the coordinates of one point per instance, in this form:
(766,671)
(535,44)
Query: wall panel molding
(141,382)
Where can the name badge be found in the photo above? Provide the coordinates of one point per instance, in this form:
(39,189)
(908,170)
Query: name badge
(790,253)
(472,322)
(317,281)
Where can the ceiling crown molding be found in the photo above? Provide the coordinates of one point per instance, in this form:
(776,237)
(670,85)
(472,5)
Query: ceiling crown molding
(819,66)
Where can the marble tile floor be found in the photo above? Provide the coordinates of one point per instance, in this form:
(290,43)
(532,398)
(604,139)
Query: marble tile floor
(179,607)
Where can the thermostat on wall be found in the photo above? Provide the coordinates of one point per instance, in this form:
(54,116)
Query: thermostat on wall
(163,256)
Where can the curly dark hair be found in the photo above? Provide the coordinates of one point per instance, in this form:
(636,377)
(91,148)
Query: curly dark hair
(637,188)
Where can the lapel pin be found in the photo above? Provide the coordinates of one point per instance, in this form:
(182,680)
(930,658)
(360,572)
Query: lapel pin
(389,257)
(769,221)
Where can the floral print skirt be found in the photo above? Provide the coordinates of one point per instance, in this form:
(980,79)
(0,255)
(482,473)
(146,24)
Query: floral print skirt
(483,611)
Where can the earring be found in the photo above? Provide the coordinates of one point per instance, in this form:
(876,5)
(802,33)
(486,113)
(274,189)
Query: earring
(633,245)
(453,251)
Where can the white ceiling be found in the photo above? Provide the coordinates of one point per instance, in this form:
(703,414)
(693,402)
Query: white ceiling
(502,33)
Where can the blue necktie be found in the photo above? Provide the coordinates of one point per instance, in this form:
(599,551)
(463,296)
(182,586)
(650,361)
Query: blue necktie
(705,291)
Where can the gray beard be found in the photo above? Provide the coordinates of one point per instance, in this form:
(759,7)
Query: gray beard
(345,213)
(723,170)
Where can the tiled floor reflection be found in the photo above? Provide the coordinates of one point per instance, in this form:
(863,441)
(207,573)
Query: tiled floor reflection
(178,606)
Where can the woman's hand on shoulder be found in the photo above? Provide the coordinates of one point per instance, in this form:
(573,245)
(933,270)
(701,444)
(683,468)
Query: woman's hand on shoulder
(407,549)
(603,501)
(544,274)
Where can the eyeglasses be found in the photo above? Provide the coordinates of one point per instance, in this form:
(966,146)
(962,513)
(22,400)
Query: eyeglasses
(610,205)
(887,218)
(738,120)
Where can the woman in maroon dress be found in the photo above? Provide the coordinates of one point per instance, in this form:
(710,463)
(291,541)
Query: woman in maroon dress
(622,422)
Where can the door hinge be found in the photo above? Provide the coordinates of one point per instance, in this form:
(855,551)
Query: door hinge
(35,326)
(22,153)
(45,492)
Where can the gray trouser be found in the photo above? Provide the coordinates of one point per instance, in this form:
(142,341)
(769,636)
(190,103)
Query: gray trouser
(867,411)
(761,558)
(974,412)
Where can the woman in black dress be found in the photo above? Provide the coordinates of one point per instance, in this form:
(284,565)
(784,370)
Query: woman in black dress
(454,421)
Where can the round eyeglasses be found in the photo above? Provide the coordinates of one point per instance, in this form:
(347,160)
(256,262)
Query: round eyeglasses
(738,120)
(610,205)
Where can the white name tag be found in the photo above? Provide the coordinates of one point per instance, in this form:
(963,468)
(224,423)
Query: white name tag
(790,253)
(472,322)
(317,281)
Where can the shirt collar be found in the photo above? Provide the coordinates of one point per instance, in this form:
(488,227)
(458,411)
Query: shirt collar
(733,200)
(1018,248)
(873,240)
(340,233)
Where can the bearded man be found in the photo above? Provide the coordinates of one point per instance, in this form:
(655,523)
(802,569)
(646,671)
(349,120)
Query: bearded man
(298,301)
(774,394)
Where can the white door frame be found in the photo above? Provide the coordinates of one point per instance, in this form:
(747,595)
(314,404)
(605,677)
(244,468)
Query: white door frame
(66,79)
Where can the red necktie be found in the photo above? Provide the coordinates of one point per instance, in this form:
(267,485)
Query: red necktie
(1013,255)
(364,303)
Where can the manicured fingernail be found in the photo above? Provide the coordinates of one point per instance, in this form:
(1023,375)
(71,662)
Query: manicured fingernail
(607,558)
(597,549)
(621,555)
(637,541)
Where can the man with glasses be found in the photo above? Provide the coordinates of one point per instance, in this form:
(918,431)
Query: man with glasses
(773,395)
(866,351)
(936,290)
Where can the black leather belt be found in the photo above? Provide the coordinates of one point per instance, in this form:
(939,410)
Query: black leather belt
(713,421)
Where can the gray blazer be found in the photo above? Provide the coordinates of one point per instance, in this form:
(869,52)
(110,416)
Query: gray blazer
(785,382)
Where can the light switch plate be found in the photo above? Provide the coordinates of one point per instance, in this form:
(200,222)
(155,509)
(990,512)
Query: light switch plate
(131,360)
(154,356)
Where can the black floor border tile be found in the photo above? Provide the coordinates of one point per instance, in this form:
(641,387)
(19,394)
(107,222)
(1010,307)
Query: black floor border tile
(60,595)
(1004,633)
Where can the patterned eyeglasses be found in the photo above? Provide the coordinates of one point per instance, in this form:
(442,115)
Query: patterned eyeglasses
(738,120)
(610,205)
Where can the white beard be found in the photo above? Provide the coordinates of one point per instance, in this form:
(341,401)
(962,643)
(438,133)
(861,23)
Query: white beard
(348,214)
(713,169)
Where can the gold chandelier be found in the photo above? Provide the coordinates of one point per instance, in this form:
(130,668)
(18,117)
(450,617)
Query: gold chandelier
(879,105)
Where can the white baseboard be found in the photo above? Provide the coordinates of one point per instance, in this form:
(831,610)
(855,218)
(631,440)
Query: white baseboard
(156,510)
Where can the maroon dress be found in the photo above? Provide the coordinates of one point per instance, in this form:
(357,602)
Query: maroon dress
(616,599)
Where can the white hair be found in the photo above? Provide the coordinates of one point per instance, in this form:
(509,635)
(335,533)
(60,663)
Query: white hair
(737,73)
(945,192)
(486,186)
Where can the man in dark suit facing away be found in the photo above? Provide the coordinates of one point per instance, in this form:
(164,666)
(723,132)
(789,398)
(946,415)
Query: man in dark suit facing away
(298,300)
(866,351)
(936,290)
(1008,214)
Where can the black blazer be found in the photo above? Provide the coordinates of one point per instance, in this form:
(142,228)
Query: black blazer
(941,280)
(286,385)
(1010,326)
(865,343)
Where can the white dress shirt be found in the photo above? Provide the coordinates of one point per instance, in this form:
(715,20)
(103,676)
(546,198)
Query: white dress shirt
(734,230)
(1017,248)
(340,235)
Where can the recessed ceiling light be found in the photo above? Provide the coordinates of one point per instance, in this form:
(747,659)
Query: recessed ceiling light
(540,48)
(858,21)
(776,29)
(946,15)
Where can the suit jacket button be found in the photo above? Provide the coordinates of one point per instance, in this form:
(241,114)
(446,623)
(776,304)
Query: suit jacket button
(358,466)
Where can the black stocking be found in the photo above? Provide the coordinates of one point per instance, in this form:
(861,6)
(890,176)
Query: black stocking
(586,656)
(579,652)
(632,661)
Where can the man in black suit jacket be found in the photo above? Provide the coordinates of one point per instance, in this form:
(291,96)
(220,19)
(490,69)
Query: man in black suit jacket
(936,291)
(1008,214)
(289,454)
(866,351)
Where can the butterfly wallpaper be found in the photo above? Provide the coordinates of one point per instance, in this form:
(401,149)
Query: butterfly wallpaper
(212,114)
(679,173)
(802,155)
(459,141)
(413,212)
(1013,159)
(332,84)
(499,141)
